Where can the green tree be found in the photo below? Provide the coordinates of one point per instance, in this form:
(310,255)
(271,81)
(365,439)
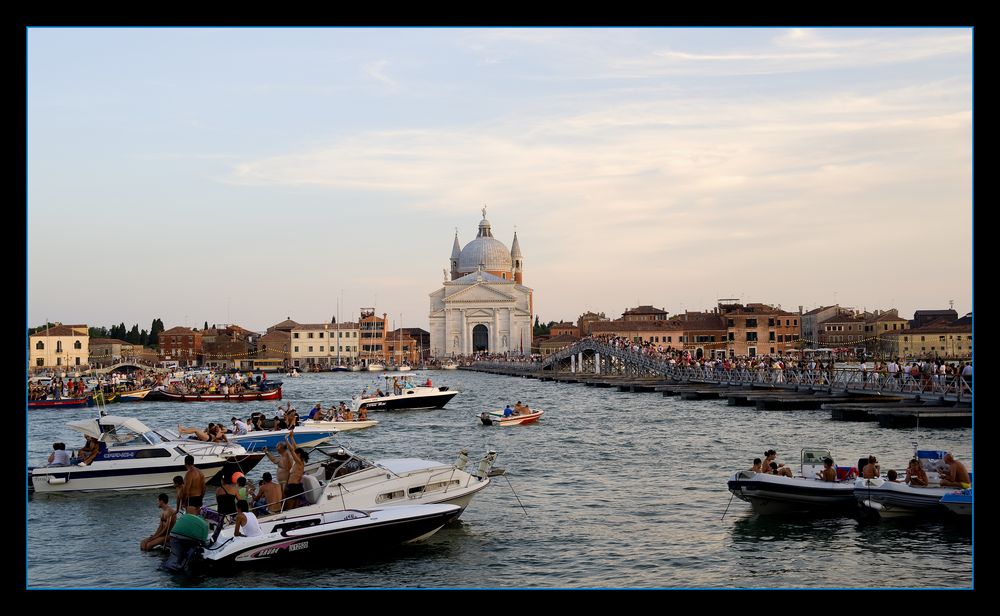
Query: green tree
(154,332)
(206,326)
(143,337)
(133,334)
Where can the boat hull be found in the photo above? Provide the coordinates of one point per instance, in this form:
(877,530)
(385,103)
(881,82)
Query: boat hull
(497,419)
(65,403)
(304,437)
(96,478)
(135,396)
(271,394)
(408,401)
(889,499)
(959,503)
(775,494)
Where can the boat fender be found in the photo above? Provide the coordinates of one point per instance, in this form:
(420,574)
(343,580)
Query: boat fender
(873,505)
(57,480)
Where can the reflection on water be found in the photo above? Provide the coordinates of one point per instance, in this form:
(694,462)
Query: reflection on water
(620,489)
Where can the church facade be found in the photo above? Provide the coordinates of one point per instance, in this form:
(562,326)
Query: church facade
(483,305)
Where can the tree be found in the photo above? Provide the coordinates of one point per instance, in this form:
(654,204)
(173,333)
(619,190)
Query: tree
(206,326)
(143,337)
(154,332)
(133,334)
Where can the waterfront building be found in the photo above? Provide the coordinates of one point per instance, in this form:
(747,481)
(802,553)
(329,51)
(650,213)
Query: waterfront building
(843,330)
(923,317)
(320,344)
(759,329)
(812,319)
(182,345)
(705,333)
(106,351)
(940,339)
(665,333)
(645,313)
(564,328)
(877,326)
(552,344)
(588,318)
(373,330)
(484,307)
(229,347)
(59,346)
(401,346)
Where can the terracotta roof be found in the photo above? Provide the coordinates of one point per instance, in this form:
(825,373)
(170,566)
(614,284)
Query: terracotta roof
(889,315)
(59,330)
(645,310)
(818,310)
(175,331)
(620,325)
(94,341)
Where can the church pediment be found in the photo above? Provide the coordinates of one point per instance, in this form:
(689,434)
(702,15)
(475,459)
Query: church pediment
(479,293)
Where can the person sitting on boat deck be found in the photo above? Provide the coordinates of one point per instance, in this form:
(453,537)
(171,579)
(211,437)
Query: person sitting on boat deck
(89,451)
(871,470)
(294,487)
(279,421)
(507,411)
(957,475)
(521,409)
(915,474)
(59,455)
(268,495)
(757,466)
(348,415)
(428,383)
(828,473)
(378,393)
(316,410)
(363,414)
(226,496)
(239,426)
(291,419)
(167,516)
(194,485)
(218,434)
(892,476)
(773,467)
(246,522)
(257,421)
(199,434)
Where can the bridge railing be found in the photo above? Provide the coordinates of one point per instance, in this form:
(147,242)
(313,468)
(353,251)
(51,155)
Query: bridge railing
(837,379)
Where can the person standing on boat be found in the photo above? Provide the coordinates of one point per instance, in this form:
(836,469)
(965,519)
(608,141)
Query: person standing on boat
(194,485)
(167,516)
(282,461)
(294,488)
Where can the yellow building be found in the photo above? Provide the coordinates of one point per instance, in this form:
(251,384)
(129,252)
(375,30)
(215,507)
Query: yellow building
(935,340)
(58,347)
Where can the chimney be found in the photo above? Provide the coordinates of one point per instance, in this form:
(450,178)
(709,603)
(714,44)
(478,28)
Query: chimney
(800,309)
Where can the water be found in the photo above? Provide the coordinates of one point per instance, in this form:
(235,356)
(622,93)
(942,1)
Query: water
(621,490)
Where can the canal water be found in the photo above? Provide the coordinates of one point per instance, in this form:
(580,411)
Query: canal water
(619,490)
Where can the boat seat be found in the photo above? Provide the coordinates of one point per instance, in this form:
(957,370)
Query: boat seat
(311,489)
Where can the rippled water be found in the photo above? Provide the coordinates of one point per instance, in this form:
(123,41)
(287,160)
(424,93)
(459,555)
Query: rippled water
(621,490)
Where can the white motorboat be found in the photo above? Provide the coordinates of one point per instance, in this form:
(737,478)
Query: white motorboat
(770,494)
(132,457)
(375,367)
(411,397)
(334,426)
(355,368)
(892,499)
(338,477)
(300,534)
(449,365)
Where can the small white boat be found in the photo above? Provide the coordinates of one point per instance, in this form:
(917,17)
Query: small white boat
(770,494)
(335,426)
(449,365)
(355,368)
(404,368)
(893,499)
(496,418)
(375,367)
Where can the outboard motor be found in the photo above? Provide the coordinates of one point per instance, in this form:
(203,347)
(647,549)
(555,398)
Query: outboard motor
(186,555)
(485,418)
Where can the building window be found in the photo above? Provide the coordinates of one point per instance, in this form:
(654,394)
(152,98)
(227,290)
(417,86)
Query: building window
(59,346)
(751,336)
(321,349)
(310,349)
(296,349)
(770,322)
(40,346)
(732,336)
(310,334)
(59,361)
(751,322)
(770,337)
(321,334)
(730,323)
(295,335)
(77,345)
(77,361)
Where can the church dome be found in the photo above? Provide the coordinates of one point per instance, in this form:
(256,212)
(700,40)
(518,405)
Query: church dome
(487,250)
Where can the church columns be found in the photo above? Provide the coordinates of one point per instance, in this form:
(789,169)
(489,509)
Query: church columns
(495,333)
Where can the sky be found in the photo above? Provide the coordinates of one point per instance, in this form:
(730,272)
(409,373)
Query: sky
(247,175)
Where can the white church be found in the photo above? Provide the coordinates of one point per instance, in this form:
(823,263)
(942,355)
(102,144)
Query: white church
(484,307)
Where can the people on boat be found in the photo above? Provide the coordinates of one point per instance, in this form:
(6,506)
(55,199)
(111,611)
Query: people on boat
(226,496)
(246,522)
(316,410)
(240,426)
(956,475)
(257,421)
(428,383)
(218,434)
(167,516)
(892,476)
(194,485)
(872,469)
(282,461)
(756,467)
(59,455)
(772,466)
(202,435)
(397,389)
(915,474)
(521,409)
(348,416)
(378,393)
(179,492)
(363,414)
(268,495)
(244,489)
(828,473)
(89,451)
(294,487)
(507,411)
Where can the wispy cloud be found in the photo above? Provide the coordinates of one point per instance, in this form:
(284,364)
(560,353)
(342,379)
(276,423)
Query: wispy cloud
(377,71)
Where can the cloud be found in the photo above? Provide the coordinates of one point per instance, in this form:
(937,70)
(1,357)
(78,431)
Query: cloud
(377,71)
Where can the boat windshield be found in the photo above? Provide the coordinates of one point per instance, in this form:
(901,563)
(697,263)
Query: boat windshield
(152,438)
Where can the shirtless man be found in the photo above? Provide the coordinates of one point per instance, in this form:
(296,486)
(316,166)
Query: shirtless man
(270,493)
(163,530)
(756,466)
(872,470)
(957,475)
(828,473)
(282,461)
(294,487)
(194,485)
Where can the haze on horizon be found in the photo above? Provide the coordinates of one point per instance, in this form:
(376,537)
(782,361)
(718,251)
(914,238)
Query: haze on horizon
(249,175)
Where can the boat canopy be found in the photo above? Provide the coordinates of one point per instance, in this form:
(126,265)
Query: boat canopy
(104,428)
(815,455)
